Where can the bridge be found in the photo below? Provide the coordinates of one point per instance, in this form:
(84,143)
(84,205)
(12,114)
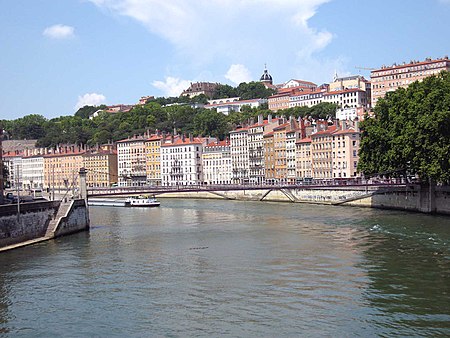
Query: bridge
(159,190)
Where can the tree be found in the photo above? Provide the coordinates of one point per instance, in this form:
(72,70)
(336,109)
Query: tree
(211,123)
(410,131)
(86,111)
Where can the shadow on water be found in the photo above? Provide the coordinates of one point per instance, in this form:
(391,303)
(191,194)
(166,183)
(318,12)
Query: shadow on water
(408,264)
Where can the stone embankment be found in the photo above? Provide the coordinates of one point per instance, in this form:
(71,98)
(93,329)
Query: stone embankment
(412,197)
(41,221)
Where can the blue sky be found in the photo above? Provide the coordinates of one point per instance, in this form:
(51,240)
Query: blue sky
(57,55)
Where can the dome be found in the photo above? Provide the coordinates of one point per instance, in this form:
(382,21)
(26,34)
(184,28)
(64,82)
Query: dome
(266,77)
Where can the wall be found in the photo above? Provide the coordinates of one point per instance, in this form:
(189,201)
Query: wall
(75,220)
(36,218)
(412,198)
(32,223)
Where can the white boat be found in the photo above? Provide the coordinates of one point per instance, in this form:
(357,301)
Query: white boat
(142,201)
(108,202)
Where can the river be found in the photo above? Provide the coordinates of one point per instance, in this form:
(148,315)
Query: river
(209,268)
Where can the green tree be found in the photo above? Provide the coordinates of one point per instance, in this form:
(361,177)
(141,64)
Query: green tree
(85,111)
(211,123)
(410,131)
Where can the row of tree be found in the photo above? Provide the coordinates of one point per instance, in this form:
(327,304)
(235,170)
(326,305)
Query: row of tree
(164,114)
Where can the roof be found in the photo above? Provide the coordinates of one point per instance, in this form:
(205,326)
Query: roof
(305,140)
(224,143)
(414,63)
(345,131)
(351,90)
(328,131)
(181,142)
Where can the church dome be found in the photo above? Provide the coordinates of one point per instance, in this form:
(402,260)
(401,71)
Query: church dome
(266,77)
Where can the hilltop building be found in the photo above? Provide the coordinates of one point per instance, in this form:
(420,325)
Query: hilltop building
(389,78)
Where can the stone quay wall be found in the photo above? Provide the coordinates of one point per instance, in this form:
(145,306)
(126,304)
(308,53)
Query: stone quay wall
(32,222)
(40,221)
(412,197)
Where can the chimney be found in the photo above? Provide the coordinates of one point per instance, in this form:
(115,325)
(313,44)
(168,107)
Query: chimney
(269,118)
(260,119)
(191,138)
(183,137)
(172,139)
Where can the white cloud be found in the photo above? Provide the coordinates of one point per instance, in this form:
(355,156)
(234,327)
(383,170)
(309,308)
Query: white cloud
(238,73)
(172,86)
(252,32)
(90,99)
(59,32)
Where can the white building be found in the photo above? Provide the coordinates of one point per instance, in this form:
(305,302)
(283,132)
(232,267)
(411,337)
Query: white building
(217,167)
(348,98)
(33,172)
(240,155)
(306,98)
(13,163)
(181,162)
(131,161)
(228,106)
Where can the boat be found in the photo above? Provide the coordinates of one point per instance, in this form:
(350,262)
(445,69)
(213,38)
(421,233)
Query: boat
(108,202)
(142,201)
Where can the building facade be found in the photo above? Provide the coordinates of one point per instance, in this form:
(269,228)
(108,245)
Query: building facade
(181,162)
(389,78)
(216,160)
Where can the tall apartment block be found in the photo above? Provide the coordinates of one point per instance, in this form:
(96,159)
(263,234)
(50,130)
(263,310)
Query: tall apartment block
(389,78)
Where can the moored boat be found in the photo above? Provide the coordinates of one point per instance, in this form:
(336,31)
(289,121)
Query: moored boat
(108,202)
(142,201)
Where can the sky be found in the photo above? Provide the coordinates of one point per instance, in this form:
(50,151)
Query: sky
(59,55)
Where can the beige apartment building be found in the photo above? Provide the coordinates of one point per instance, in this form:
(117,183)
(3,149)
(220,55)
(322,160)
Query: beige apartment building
(269,157)
(101,165)
(389,78)
(346,153)
(322,152)
(61,168)
(304,160)
(153,159)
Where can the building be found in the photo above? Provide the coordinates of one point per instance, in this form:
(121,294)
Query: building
(12,160)
(181,161)
(62,166)
(306,85)
(269,158)
(266,78)
(197,88)
(346,152)
(304,160)
(322,153)
(389,78)
(240,156)
(33,172)
(255,139)
(349,82)
(216,160)
(101,165)
(306,98)
(131,161)
(347,98)
(226,106)
(153,159)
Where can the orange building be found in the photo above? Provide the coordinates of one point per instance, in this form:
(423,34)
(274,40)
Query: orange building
(61,168)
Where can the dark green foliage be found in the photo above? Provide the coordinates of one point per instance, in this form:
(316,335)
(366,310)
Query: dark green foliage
(246,91)
(85,111)
(410,132)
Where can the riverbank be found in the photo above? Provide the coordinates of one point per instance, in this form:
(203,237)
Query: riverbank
(414,198)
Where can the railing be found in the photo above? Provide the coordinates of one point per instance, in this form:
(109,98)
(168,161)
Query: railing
(247,186)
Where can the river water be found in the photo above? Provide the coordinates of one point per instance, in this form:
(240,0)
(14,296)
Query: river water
(209,268)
